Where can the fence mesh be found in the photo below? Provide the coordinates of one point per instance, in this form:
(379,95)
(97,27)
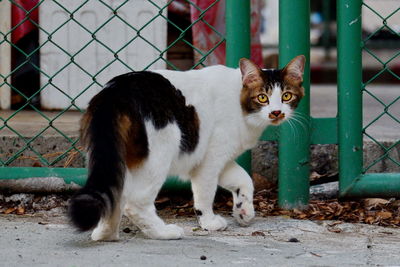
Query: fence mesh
(80,46)
(388,30)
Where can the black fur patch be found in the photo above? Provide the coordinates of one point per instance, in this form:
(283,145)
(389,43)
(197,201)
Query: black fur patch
(198,212)
(272,77)
(85,210)
(149,96)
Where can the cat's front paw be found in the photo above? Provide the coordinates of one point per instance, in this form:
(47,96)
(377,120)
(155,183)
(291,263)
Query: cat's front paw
(167,232)
(243,212)
(213,223)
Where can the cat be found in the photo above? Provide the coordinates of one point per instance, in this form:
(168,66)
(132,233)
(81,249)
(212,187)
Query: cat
(144,126)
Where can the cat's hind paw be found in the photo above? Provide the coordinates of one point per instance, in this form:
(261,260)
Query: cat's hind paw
(99,234)
(168,232)
(214,223)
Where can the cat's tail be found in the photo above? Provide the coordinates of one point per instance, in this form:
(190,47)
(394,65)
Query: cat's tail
(104,133)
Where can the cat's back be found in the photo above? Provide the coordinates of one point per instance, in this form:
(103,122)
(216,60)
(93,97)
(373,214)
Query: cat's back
(205,79)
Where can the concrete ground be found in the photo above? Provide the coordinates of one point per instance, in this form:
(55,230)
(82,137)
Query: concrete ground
(273,241)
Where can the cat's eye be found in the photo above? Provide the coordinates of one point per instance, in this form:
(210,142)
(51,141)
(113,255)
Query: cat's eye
(262,98)
(287,96)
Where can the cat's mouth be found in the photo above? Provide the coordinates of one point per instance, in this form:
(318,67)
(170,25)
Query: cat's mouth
(276,118)
(276,121)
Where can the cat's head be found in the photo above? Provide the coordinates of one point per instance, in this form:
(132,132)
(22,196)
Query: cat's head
(270,96)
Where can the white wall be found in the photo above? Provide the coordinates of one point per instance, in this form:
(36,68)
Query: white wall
(115,34)
(5,54)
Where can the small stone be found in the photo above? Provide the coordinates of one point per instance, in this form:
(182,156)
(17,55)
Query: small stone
(127,230)
(203,258)
(257,233)
(293,240)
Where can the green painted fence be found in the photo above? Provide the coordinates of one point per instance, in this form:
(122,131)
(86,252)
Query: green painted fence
(354,179)
(237,42)
(345,129)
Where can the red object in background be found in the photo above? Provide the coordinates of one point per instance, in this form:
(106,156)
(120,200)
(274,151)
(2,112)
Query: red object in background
(20,12)
(205,38)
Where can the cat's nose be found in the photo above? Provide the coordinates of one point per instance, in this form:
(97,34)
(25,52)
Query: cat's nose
(276,113)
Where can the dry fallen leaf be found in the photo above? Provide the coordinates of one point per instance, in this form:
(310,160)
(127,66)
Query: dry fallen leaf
(9,210)
(20,210)
(374,202)
(370,220)
(262,205)
(384,214)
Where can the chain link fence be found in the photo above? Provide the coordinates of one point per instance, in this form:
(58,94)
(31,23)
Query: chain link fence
(386,22)
(73,48)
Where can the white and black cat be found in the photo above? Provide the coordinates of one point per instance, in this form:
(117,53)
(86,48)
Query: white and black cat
(144,126)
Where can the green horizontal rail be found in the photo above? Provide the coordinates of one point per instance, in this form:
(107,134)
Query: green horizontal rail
(70,175)
(322,131)
(373,185)
(73,175)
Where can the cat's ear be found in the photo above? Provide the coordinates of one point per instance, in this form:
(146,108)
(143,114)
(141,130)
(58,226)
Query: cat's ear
(251,73)
(293,71)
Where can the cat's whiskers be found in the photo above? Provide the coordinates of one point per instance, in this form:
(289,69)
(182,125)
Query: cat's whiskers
(294,131)
(302,120)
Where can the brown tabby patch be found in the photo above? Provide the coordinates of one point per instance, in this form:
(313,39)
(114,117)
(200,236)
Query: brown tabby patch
(134,141)
(85,120)
(248,95)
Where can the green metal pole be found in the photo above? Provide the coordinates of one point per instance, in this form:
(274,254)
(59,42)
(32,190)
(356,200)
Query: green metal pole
(294,141)
(237,37)
(349,91)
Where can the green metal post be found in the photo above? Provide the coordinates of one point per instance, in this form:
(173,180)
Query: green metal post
(237,37)
(294,141)
(349,91)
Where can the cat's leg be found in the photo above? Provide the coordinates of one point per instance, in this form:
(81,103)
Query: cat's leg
(145,181)
(108,227)
(235,179)
(204,187)
(142,189)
